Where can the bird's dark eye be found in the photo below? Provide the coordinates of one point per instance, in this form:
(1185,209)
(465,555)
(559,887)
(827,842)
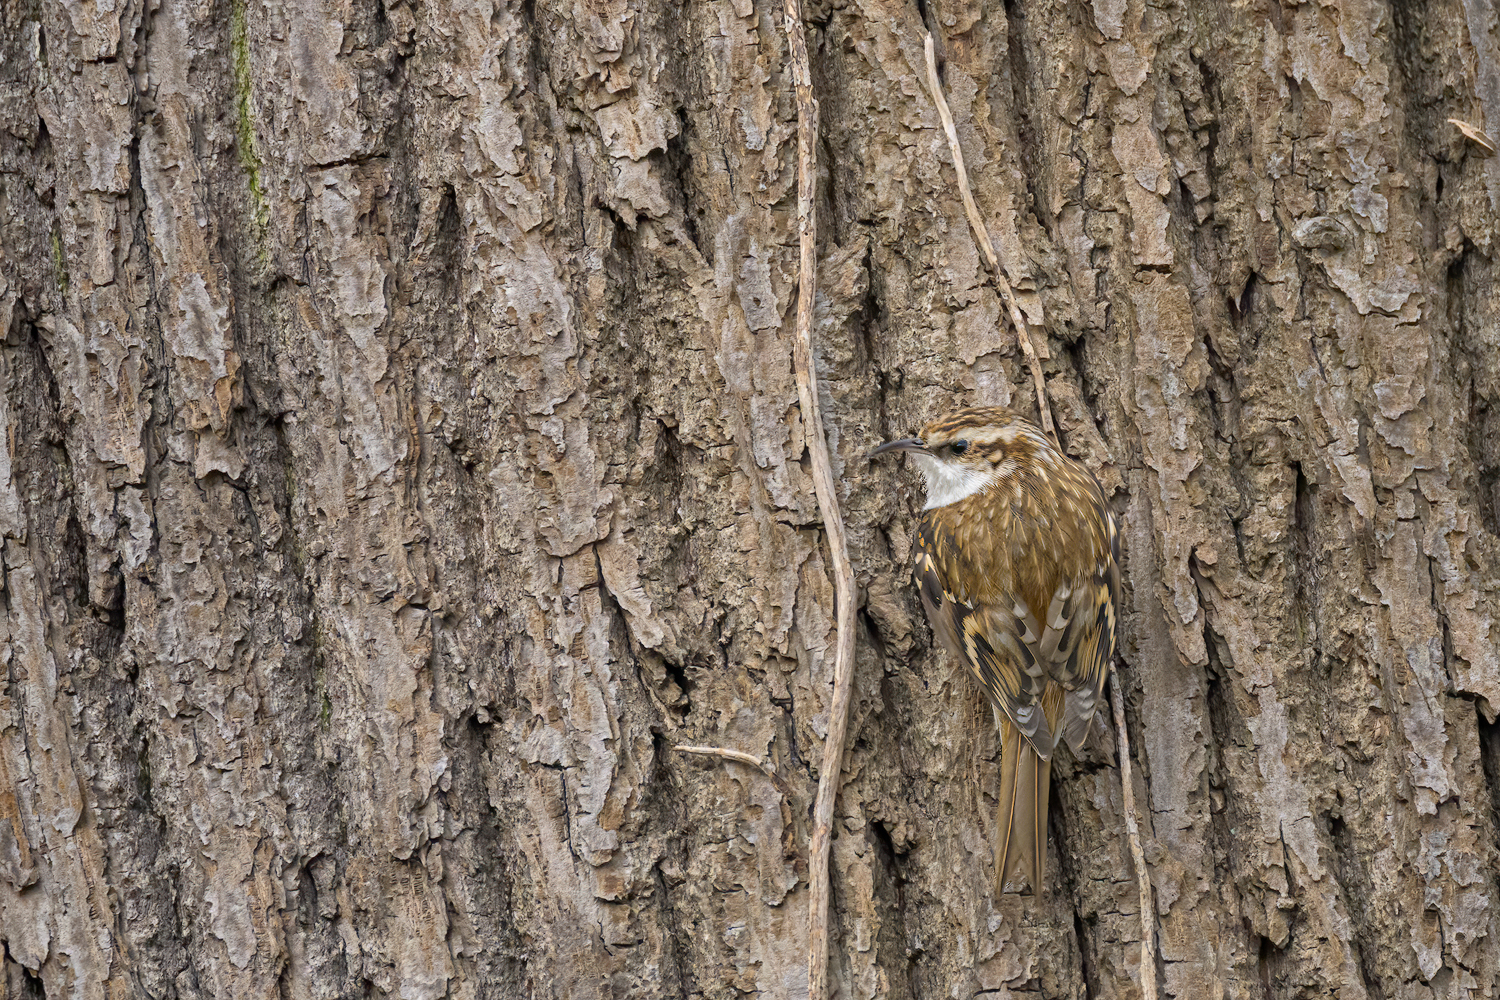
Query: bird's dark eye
(959,447)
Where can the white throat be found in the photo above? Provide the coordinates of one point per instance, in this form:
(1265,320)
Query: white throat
(949,482)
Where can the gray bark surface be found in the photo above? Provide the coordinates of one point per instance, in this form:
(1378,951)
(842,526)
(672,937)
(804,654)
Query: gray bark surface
(401,454)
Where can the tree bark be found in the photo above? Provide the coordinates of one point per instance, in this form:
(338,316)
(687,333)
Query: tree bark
(402,454)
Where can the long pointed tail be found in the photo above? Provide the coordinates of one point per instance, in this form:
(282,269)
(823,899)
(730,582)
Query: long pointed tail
(1021,820)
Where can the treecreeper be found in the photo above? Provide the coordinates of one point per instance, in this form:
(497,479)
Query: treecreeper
(1016,557)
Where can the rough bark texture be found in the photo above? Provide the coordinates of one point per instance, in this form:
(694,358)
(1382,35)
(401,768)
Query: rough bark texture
(402,453)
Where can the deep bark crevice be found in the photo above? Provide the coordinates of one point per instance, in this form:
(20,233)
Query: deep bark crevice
(1489,756)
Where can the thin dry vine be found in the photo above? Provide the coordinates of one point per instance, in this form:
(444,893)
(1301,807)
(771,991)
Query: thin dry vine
(828,503)
(1023,337)
(986,245)
(743,758)
(1137,854)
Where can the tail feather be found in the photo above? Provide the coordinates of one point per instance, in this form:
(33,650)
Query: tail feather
(1021,819)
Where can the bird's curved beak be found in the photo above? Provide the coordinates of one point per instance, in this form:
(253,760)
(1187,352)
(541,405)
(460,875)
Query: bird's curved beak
(905,444)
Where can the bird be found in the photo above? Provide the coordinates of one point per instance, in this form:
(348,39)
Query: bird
(1017,560)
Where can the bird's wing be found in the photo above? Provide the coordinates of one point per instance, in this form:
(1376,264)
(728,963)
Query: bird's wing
(1016,648)
(996,644)
(1078,632)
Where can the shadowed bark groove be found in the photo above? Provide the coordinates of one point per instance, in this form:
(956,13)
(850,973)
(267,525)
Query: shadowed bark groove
(401,454)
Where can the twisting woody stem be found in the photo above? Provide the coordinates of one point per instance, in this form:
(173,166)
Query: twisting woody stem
(1137,853)
(828,503)
(1023,336)
(986,245)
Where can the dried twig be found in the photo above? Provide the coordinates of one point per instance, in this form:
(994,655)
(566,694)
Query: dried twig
(1476,135)
(1137,854)
(828,503)
(743,758)
(982,237)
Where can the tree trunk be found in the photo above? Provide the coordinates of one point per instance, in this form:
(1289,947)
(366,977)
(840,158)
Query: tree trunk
(402,455)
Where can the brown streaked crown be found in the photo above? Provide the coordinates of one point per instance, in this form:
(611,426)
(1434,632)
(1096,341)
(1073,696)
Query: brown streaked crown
(992,433)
